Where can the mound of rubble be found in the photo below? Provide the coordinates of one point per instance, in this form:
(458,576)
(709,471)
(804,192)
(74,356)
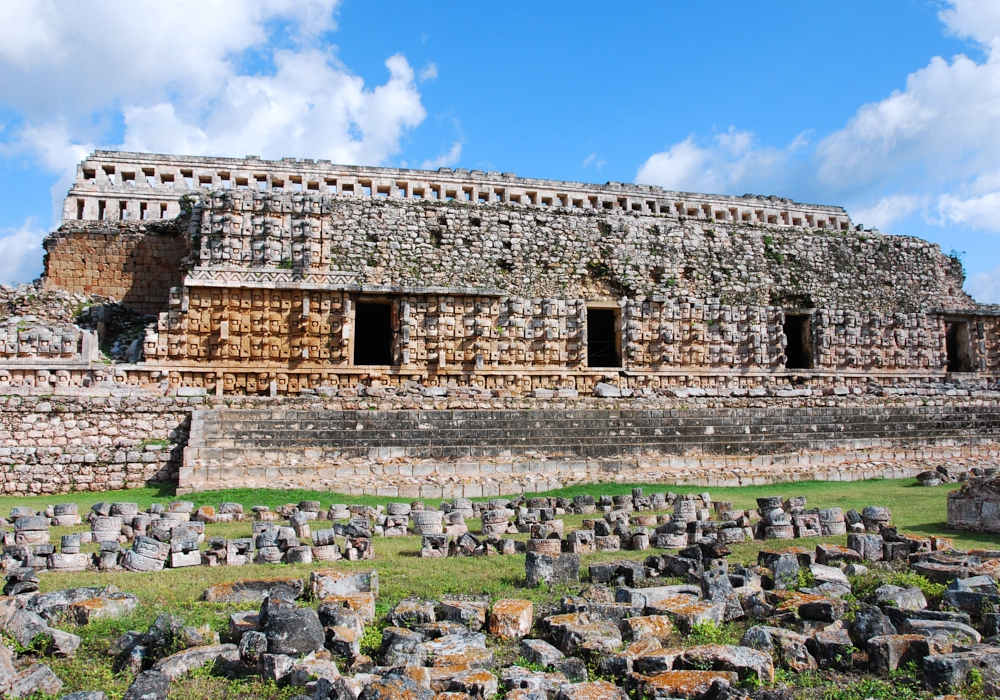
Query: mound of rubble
(51,323)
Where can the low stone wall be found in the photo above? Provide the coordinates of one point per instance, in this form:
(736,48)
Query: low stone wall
(89,443)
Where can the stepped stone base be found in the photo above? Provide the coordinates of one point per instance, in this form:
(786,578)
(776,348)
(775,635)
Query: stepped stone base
(472,453)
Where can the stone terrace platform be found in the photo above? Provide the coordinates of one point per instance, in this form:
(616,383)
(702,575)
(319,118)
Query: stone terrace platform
(414,453)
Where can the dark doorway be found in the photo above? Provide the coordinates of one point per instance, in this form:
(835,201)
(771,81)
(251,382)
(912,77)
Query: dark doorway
(959,347)
(602,338)
(373,334)
(798,330)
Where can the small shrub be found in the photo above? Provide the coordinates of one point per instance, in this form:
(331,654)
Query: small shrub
(874,689)
(864,586)
(708,632)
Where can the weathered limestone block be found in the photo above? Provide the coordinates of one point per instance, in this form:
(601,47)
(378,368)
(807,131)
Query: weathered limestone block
(976,506)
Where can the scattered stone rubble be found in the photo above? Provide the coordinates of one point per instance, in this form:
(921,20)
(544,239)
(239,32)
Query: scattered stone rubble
(628,622)
(38,323)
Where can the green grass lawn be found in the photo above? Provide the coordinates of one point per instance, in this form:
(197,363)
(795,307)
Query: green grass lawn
(402,573)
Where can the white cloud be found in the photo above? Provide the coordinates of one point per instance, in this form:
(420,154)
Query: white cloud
(73,57)
(931,147)
(20,254)
(68,70)
(887,210)
(429,72)
(733,162)
(985,286)
(311,106)
(445,160)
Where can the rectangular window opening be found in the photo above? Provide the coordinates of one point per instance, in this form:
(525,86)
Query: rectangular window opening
(167,180)
(602,338)
(331,186)
(188,176)
(958,344)
(122,211)
(373,334)
(143,211)
(102,208)
(150,175)
(799,351)
(128,179)
(79,209)
(242,183)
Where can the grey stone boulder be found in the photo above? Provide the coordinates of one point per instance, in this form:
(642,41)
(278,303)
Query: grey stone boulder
(395,688)
(25,626)
(294,631)
(412,612)
(7,671)
(869,622)
(832,648)
(716,587)
(743,661)
(607,391)
(949,632)
(183,662)
(551,569)
(594,690)
(902,598)
(950,671)
(254,590)
(826,610)
(252,645)
(85,695)
(522,679)
(573,668)
(789,649)
(403,647)
(38,679)
(540,652)
(891,652)
(148,685)
(868,546)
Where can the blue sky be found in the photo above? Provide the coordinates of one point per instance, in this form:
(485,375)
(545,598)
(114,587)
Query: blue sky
(890,108)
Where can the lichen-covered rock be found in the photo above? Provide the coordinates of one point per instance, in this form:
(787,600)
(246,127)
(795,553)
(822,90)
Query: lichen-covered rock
(254,590)
(511,618)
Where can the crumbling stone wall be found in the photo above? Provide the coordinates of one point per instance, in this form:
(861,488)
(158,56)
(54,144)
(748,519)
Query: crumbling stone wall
(134,263)
(90,443)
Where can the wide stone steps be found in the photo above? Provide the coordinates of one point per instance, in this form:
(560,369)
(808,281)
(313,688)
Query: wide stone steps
(593,433)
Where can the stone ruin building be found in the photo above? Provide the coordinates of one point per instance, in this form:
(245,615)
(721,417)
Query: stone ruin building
(301,278)
(306,274)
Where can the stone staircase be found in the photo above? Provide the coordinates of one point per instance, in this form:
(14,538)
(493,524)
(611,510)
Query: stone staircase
(275,446)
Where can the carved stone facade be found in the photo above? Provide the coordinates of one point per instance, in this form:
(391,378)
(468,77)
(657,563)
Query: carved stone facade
(292,275)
